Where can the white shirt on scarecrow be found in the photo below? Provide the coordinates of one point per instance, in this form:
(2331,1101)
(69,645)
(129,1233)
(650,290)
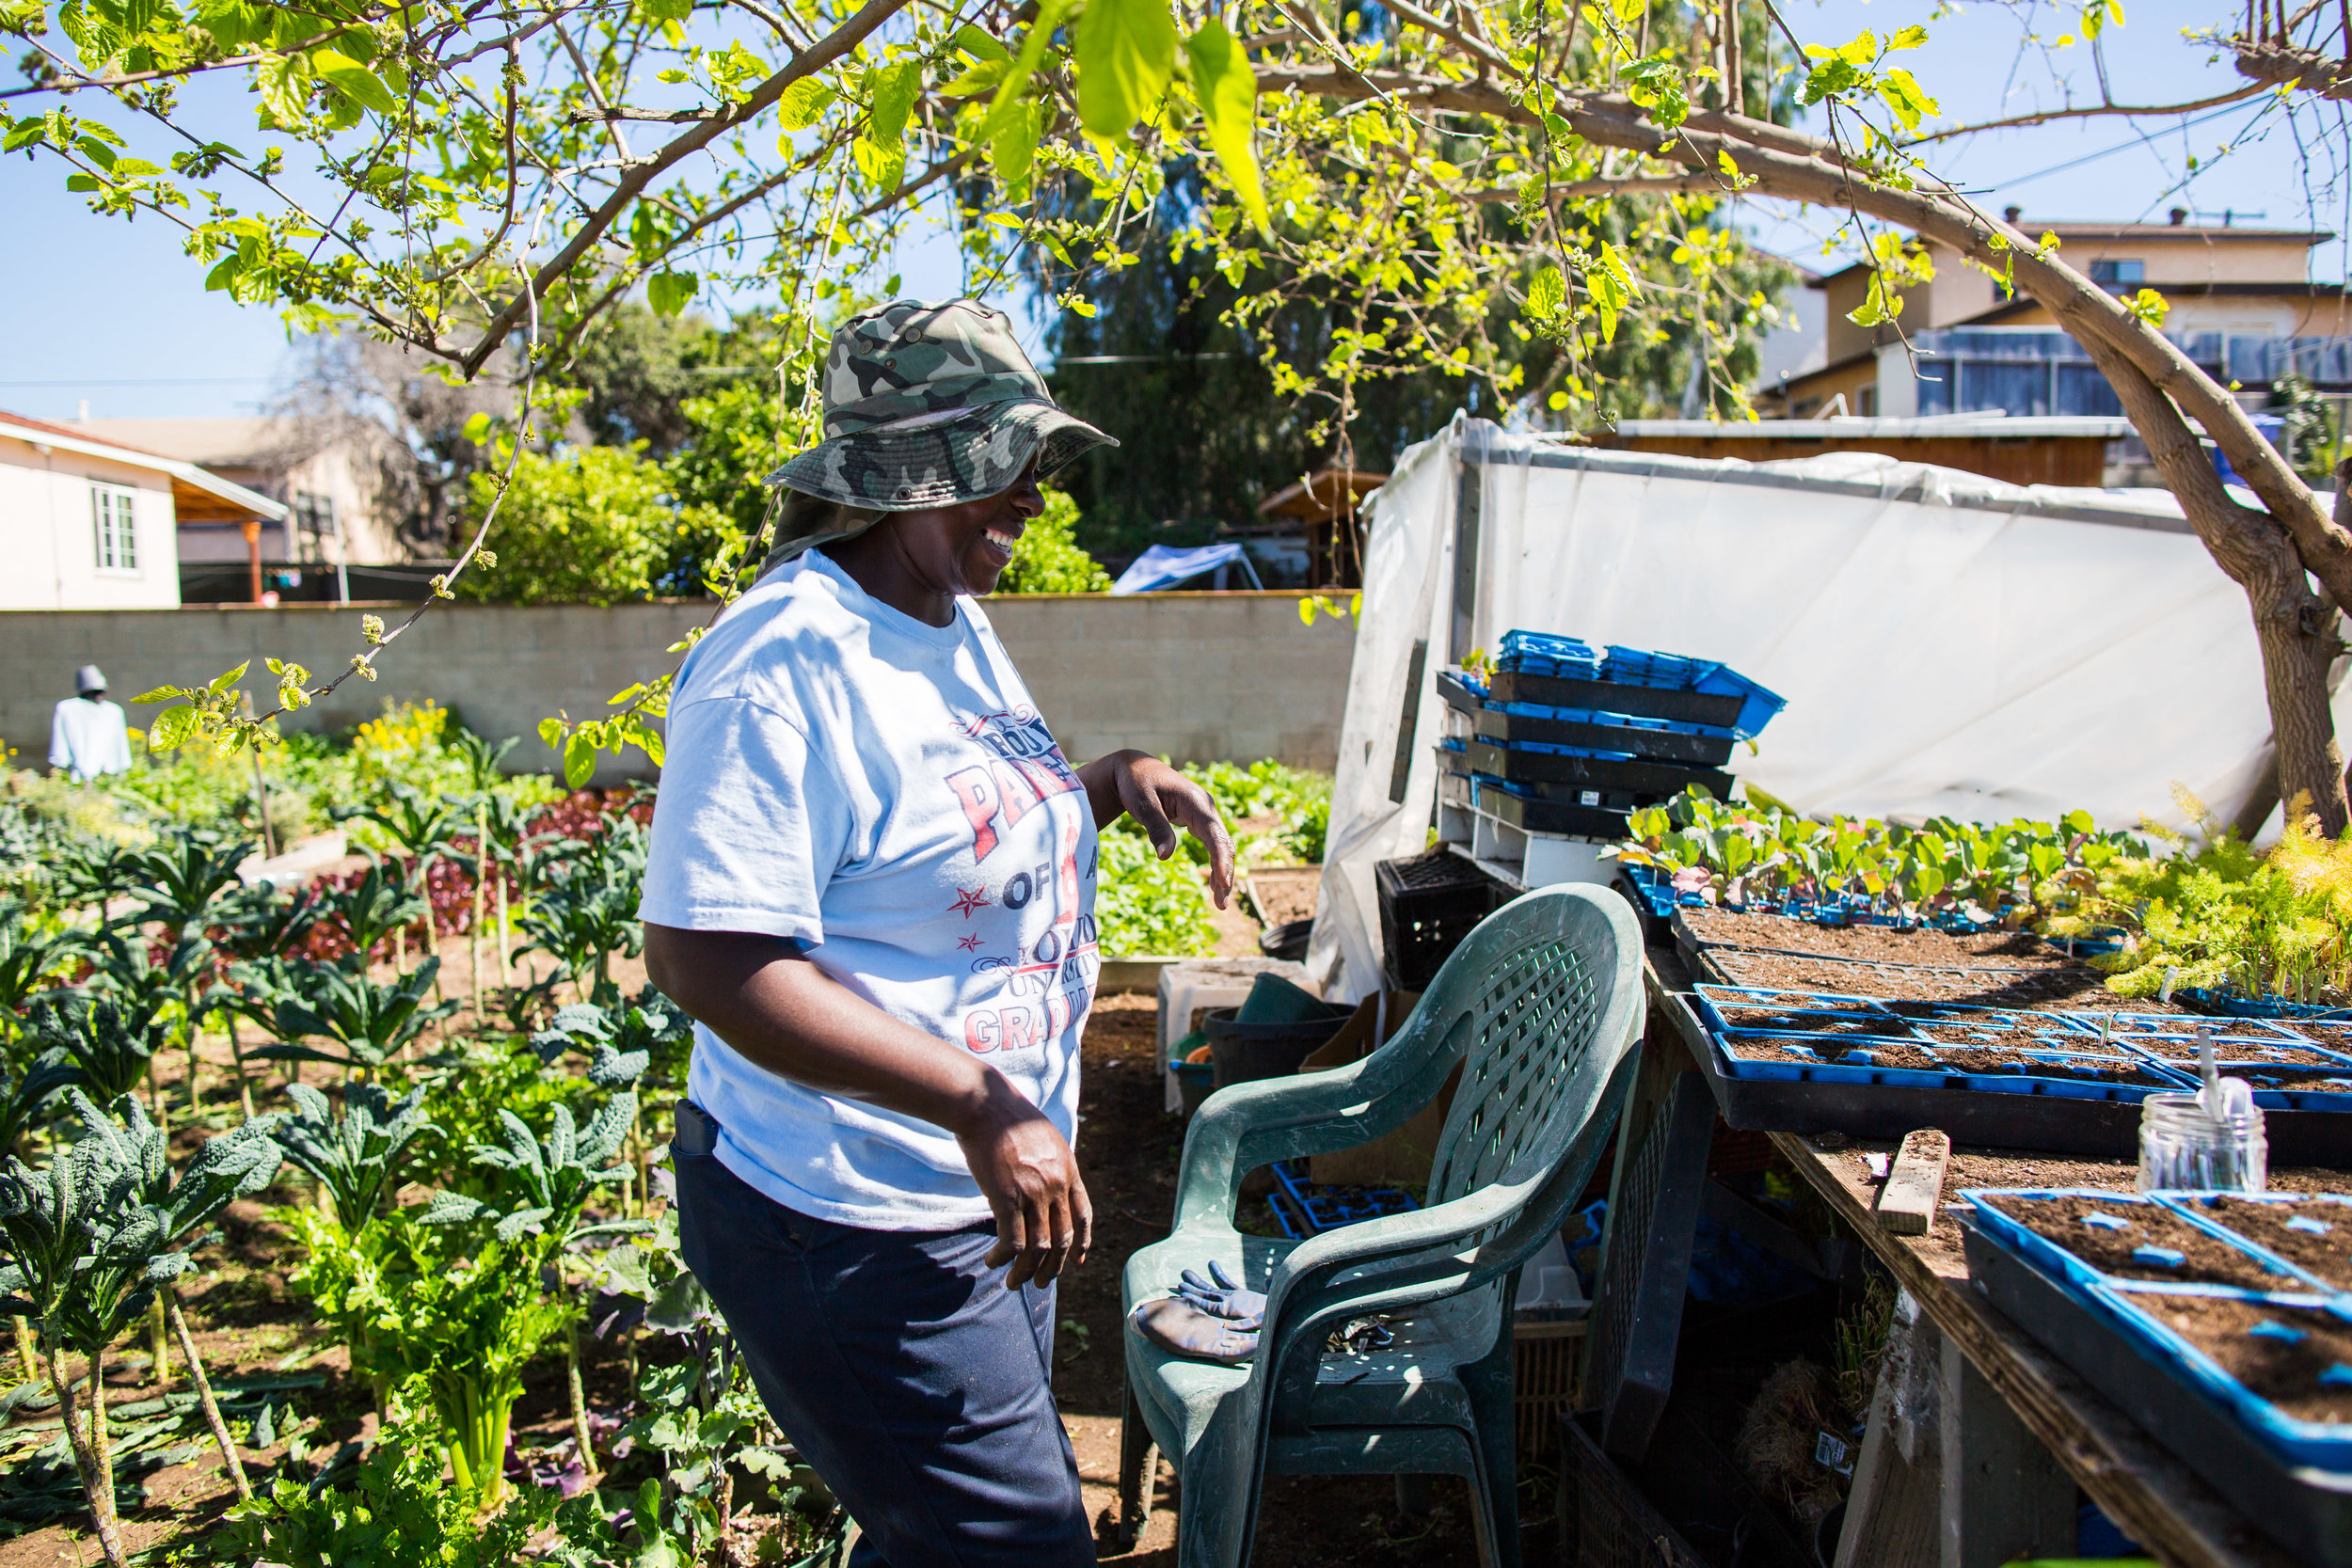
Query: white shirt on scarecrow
(88,736)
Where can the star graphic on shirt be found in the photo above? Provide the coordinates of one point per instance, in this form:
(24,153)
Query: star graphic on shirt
(969,900)
(968,943)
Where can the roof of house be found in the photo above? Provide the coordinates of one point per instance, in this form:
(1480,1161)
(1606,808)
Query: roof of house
(1847,427)
(206,491)
(235,442)
(2200,234)
(1318,496)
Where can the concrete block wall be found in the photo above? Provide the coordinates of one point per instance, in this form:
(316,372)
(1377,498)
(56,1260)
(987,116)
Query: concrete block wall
(1197,676)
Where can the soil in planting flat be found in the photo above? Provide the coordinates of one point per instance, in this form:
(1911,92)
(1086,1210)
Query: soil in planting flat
(1952,949)
(2326,1253)
(2284,1367)
(2006,1063)
(1805,1023)
(2240,1053)
(2038,989)
(2206,1259)
(2335,1037)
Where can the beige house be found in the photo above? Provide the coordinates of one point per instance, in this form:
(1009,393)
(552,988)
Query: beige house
(326,487)
(2242,303)
(90,523)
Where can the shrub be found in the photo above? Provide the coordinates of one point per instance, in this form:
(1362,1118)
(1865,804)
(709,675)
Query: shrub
(1144,904)
(591,526)
(1048,560)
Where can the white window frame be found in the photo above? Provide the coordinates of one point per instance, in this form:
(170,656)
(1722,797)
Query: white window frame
(115,529)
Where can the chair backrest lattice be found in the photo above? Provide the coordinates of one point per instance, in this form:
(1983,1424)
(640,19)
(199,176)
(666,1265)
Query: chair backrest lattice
(1531,1026)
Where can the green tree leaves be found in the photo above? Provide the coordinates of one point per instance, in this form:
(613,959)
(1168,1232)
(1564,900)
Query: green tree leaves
(1228,92)
(1125,55)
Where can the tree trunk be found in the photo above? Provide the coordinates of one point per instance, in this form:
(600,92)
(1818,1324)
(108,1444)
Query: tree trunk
(227,1444)
(90,1458)
(2294,628)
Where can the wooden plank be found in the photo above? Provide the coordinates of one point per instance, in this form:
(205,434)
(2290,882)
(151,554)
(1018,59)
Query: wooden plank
(1915,1183)
(2002,1498)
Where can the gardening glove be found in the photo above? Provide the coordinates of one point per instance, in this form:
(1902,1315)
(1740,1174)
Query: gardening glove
(1175,1325)
(1224,1298)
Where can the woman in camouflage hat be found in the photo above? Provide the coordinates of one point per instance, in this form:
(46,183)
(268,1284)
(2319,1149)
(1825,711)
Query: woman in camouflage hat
(872,883)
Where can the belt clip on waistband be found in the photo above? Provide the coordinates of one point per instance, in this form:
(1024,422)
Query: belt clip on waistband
(696,1131)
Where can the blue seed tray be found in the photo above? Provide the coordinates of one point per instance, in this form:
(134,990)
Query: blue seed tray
(1758,704)
(1544,653)
(2124,1304)
(1803,1054)
(1656,888)
(2253,1050)
(1614,721)
(2222,1004)
(1573,659)
(1304,1208)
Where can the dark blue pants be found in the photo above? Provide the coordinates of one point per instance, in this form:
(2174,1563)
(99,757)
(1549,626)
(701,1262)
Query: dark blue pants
(903,1370)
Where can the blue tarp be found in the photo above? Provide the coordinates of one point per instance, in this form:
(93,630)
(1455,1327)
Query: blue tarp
(1163,567)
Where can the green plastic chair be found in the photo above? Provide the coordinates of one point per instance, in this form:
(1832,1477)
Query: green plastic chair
(1542,1006)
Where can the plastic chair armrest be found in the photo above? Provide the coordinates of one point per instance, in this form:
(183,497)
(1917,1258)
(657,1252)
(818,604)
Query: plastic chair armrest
(1247,1125)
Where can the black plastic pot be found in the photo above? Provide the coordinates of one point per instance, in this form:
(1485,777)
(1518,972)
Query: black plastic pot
(1246,1051)
(1286,940)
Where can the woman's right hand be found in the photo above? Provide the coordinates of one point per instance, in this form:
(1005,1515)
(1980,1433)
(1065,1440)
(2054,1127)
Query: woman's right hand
(1045,1220)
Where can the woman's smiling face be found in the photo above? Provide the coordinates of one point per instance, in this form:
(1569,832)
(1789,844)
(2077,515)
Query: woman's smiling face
(965,549)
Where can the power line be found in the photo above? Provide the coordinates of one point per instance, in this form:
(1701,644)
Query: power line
(154,381)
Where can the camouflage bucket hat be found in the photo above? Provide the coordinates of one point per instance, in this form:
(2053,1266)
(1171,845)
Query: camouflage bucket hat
(925,405)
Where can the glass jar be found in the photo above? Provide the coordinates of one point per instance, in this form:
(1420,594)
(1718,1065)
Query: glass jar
(2183,1144)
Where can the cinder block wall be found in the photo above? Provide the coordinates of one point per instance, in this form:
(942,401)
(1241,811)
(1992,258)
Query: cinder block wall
(1197,676)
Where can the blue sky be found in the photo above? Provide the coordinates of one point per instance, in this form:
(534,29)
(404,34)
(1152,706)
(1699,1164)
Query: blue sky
(111,313)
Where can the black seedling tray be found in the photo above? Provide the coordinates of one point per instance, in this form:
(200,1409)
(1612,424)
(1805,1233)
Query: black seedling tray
(1633,774)
(1552,816)
(2009,1110)
(2308,1511)
(1832,1100)
(1643,702)
(1704,751)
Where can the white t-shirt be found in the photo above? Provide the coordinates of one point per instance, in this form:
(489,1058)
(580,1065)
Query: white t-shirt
(88,736)
(884,793)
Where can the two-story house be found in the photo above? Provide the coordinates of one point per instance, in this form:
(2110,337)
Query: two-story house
(2242,303)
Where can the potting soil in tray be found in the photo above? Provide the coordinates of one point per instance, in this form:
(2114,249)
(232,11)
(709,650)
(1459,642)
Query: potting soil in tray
(2297,1357)
(1898,1056)
(1799,1022)
(2313,1233)
(1885,944)
(2028,990)
(2151,1244)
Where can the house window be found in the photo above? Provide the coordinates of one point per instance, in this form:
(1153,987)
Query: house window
(2118,274)
(114,529)
(1865,402)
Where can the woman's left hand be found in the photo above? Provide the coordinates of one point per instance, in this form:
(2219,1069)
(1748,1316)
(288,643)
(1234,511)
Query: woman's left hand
(1161,799)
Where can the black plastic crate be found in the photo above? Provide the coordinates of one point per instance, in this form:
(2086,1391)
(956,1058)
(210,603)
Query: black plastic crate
(1554,817)
(1428,904)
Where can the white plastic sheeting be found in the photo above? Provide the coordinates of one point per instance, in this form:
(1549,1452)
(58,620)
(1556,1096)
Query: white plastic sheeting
(1948,644)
